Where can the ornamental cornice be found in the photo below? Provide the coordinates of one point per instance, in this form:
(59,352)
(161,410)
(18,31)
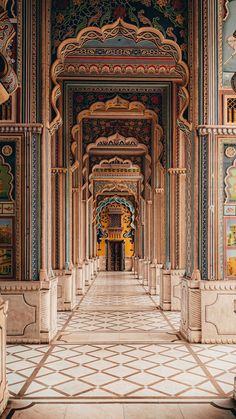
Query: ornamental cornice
(216,129)
(12,286)
(218,285)
(177,171)
(178,272)
(19,128)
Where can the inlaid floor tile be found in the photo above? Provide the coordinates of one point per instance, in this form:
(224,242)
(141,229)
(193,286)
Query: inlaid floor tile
(111,353)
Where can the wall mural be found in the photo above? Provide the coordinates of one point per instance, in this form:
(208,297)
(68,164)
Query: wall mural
(229,42)
(229,211)
(169,16)
(7,208)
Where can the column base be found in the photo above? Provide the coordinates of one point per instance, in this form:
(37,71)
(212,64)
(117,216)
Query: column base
(208,311)
(80,285)
(165,290)
(176,278)
(4,393)
(32,316)
(66,290)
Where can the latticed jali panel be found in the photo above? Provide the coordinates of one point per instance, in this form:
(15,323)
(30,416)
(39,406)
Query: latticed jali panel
(231,110)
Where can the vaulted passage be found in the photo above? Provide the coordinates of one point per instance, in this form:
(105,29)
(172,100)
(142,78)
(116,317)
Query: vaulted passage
(117,208)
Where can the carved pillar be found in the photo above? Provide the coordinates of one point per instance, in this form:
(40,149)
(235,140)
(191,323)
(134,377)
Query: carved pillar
(177,226)
(149,241)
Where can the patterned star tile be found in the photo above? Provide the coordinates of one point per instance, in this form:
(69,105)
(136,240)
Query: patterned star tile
(117,305)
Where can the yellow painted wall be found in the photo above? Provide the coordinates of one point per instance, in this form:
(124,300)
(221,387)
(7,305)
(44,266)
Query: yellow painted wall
(125,223)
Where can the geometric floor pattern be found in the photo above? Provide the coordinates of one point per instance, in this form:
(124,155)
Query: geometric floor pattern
(130,370)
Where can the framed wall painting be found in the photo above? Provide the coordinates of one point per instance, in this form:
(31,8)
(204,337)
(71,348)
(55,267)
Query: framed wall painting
(6,263)
(230,246)
(6,231)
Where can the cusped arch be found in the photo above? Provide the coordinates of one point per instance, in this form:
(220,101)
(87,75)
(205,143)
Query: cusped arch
(166,47)
(118,200)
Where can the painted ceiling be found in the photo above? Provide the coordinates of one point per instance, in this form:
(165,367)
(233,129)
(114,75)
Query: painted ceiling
(169,16)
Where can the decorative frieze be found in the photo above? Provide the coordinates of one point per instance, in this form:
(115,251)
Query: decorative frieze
(21,128)
(216,129)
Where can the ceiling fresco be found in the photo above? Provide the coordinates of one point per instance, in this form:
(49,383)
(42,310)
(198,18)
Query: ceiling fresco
(169,16)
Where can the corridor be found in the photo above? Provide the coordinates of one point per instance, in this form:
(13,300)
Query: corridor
(115,347)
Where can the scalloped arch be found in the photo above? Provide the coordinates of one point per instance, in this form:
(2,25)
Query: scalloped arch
(111,200)
(168,47)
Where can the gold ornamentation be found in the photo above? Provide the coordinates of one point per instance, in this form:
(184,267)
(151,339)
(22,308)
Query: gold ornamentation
(230,151)
(7,150)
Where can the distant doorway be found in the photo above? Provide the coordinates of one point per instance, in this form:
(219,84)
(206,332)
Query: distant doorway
(115,255)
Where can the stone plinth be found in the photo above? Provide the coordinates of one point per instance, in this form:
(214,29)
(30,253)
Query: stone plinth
(208,311)
(176,278)
(140,269)
(145,272)
(159,267)
(190,326)
(80,284)
(165,290)
(152,279)
(136,259)
(4,395)
(128,263)
(218,311)
(102,263)
(32,315)
(87,272)
(66,290)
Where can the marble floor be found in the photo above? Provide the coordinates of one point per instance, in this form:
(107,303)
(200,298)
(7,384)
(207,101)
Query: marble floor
(118,356)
